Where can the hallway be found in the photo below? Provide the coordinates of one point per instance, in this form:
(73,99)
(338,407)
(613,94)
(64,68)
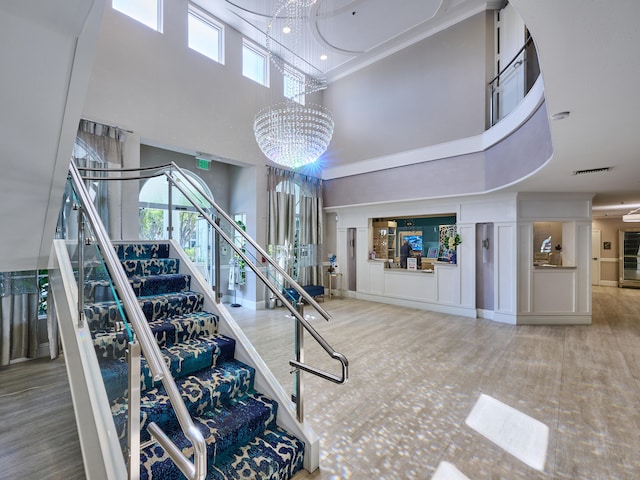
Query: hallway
(414,379)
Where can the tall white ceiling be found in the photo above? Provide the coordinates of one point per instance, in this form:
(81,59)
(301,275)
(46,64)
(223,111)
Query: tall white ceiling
(588,58)
(352,33)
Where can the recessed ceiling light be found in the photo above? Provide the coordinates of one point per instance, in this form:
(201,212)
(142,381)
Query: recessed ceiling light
(560,115)
(286,30)
(323,57)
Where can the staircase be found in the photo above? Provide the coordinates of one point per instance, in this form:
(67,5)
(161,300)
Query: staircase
(237,422)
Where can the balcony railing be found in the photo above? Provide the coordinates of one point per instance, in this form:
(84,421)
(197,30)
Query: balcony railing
(513,82)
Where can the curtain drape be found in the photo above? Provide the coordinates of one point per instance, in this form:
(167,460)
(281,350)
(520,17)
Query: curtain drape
(101,146)
(18,316)
(294,223)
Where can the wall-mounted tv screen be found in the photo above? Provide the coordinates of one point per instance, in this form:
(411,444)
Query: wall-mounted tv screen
(415,241)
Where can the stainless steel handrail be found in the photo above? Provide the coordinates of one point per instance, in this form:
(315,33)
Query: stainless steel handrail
(157,365)
(300,318)
(526,44)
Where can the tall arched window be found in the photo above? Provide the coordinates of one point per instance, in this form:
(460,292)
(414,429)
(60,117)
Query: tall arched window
(193,233)
(295,224)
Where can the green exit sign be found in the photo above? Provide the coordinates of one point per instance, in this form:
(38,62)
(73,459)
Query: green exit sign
(203,164)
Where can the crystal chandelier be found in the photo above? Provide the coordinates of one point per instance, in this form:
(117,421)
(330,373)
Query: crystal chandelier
(291,133)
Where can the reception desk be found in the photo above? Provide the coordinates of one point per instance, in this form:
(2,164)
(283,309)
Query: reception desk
(437,290)
(553,296)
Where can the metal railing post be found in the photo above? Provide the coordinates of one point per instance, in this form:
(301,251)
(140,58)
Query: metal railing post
(170,207)
(299,348)
(80,253)
(133,420)
(216,263)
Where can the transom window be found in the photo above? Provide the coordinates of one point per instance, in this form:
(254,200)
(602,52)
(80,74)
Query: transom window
(147,12)
(255,64)
(206,36)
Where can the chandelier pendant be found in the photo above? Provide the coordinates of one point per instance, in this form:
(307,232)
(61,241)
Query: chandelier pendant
(291,133)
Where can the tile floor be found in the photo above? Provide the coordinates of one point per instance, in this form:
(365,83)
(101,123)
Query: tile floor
(415,377)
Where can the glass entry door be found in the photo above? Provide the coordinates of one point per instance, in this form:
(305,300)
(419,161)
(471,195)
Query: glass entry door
(630,258)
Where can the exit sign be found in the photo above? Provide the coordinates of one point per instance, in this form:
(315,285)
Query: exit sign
(203,164)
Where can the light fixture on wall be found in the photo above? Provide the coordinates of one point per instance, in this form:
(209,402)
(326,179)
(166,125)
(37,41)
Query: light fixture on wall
(632,216)
(293,133)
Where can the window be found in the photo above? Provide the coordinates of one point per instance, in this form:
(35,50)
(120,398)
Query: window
(254,64)
(294,85)
(206,35)
(147,12)
(190,229)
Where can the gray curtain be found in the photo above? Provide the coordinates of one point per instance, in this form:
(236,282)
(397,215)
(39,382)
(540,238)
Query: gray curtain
(281,199)
(294,226)
(101,146)
(310,249)
(18,316)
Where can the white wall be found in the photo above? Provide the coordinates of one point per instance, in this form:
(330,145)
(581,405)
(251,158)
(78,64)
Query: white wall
(46,61)
(429,93)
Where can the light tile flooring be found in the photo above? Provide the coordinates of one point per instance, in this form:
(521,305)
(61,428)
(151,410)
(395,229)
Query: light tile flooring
(414,378)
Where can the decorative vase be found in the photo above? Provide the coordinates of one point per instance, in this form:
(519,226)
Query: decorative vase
(452,257)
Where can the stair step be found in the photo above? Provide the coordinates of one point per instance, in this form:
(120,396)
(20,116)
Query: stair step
(102,290)
(158,284)
(226,429)
(205,390)
(273,455)
(103,316)
(156,307)
(179,328)
(167,332)
(135,251)
(189,356)
(151,266)
(182,359)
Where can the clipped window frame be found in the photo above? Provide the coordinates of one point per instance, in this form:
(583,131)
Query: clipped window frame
(207,19)
(159,22)
(258,51)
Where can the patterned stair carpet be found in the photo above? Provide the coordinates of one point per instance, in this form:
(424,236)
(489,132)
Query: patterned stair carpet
(237,422)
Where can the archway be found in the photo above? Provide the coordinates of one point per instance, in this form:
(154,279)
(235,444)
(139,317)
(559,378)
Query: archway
(190,229)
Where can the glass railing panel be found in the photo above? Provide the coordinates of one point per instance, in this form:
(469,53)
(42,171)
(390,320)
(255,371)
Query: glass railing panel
(509,90)
(100,307)
(513,83)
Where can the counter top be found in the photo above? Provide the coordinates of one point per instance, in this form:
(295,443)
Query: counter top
(553,267)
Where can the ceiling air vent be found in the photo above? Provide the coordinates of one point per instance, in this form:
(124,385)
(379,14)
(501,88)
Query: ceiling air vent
(593,170)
